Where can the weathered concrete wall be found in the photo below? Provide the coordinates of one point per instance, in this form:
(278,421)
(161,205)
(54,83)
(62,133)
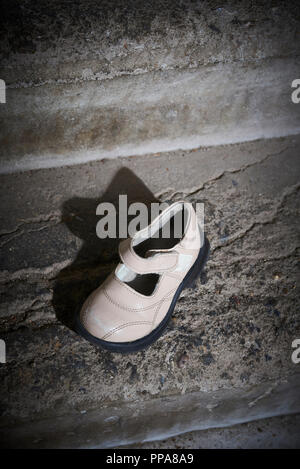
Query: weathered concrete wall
(97,80)
(226,356)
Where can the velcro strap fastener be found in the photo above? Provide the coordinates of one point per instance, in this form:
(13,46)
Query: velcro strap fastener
(150,265)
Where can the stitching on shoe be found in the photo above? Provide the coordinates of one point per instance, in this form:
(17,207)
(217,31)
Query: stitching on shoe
(108,334)
(177,275)
(153,305)
(159,306)
(124,307)
(156,312)
(139,295)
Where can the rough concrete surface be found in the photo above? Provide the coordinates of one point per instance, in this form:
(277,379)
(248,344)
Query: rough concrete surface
(88,80)
(226,355)
(274,433)
(64,124)
(81,40)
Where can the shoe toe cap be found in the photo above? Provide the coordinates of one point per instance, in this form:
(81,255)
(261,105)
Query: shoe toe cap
(92,317)
(103,321)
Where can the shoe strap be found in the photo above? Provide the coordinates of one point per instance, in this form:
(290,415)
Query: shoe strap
(155,264)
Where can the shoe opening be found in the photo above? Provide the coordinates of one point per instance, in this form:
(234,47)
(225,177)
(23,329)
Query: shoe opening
(164,233)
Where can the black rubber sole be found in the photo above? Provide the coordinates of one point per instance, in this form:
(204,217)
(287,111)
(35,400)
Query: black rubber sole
(139,344)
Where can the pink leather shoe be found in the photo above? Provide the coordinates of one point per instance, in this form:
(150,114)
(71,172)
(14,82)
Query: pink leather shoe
(132,307)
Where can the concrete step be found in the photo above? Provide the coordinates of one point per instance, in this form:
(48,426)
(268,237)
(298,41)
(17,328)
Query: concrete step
(54,125)
(274,433)
(56,42)
(108,79)
(226,356)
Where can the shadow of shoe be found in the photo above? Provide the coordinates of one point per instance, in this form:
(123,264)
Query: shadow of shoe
(96,257)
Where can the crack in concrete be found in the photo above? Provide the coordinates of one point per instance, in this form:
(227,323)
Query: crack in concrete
(238,259)
(50,272)
(242,233)
(195,190)
(265,394)
(21,232)
(53,216)
(44,272)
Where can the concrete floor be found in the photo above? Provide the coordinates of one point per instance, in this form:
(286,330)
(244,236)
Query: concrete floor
(273,433)
(197,95)
(234,328)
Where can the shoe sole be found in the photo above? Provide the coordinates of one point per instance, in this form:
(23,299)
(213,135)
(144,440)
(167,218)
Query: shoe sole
(146,341)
